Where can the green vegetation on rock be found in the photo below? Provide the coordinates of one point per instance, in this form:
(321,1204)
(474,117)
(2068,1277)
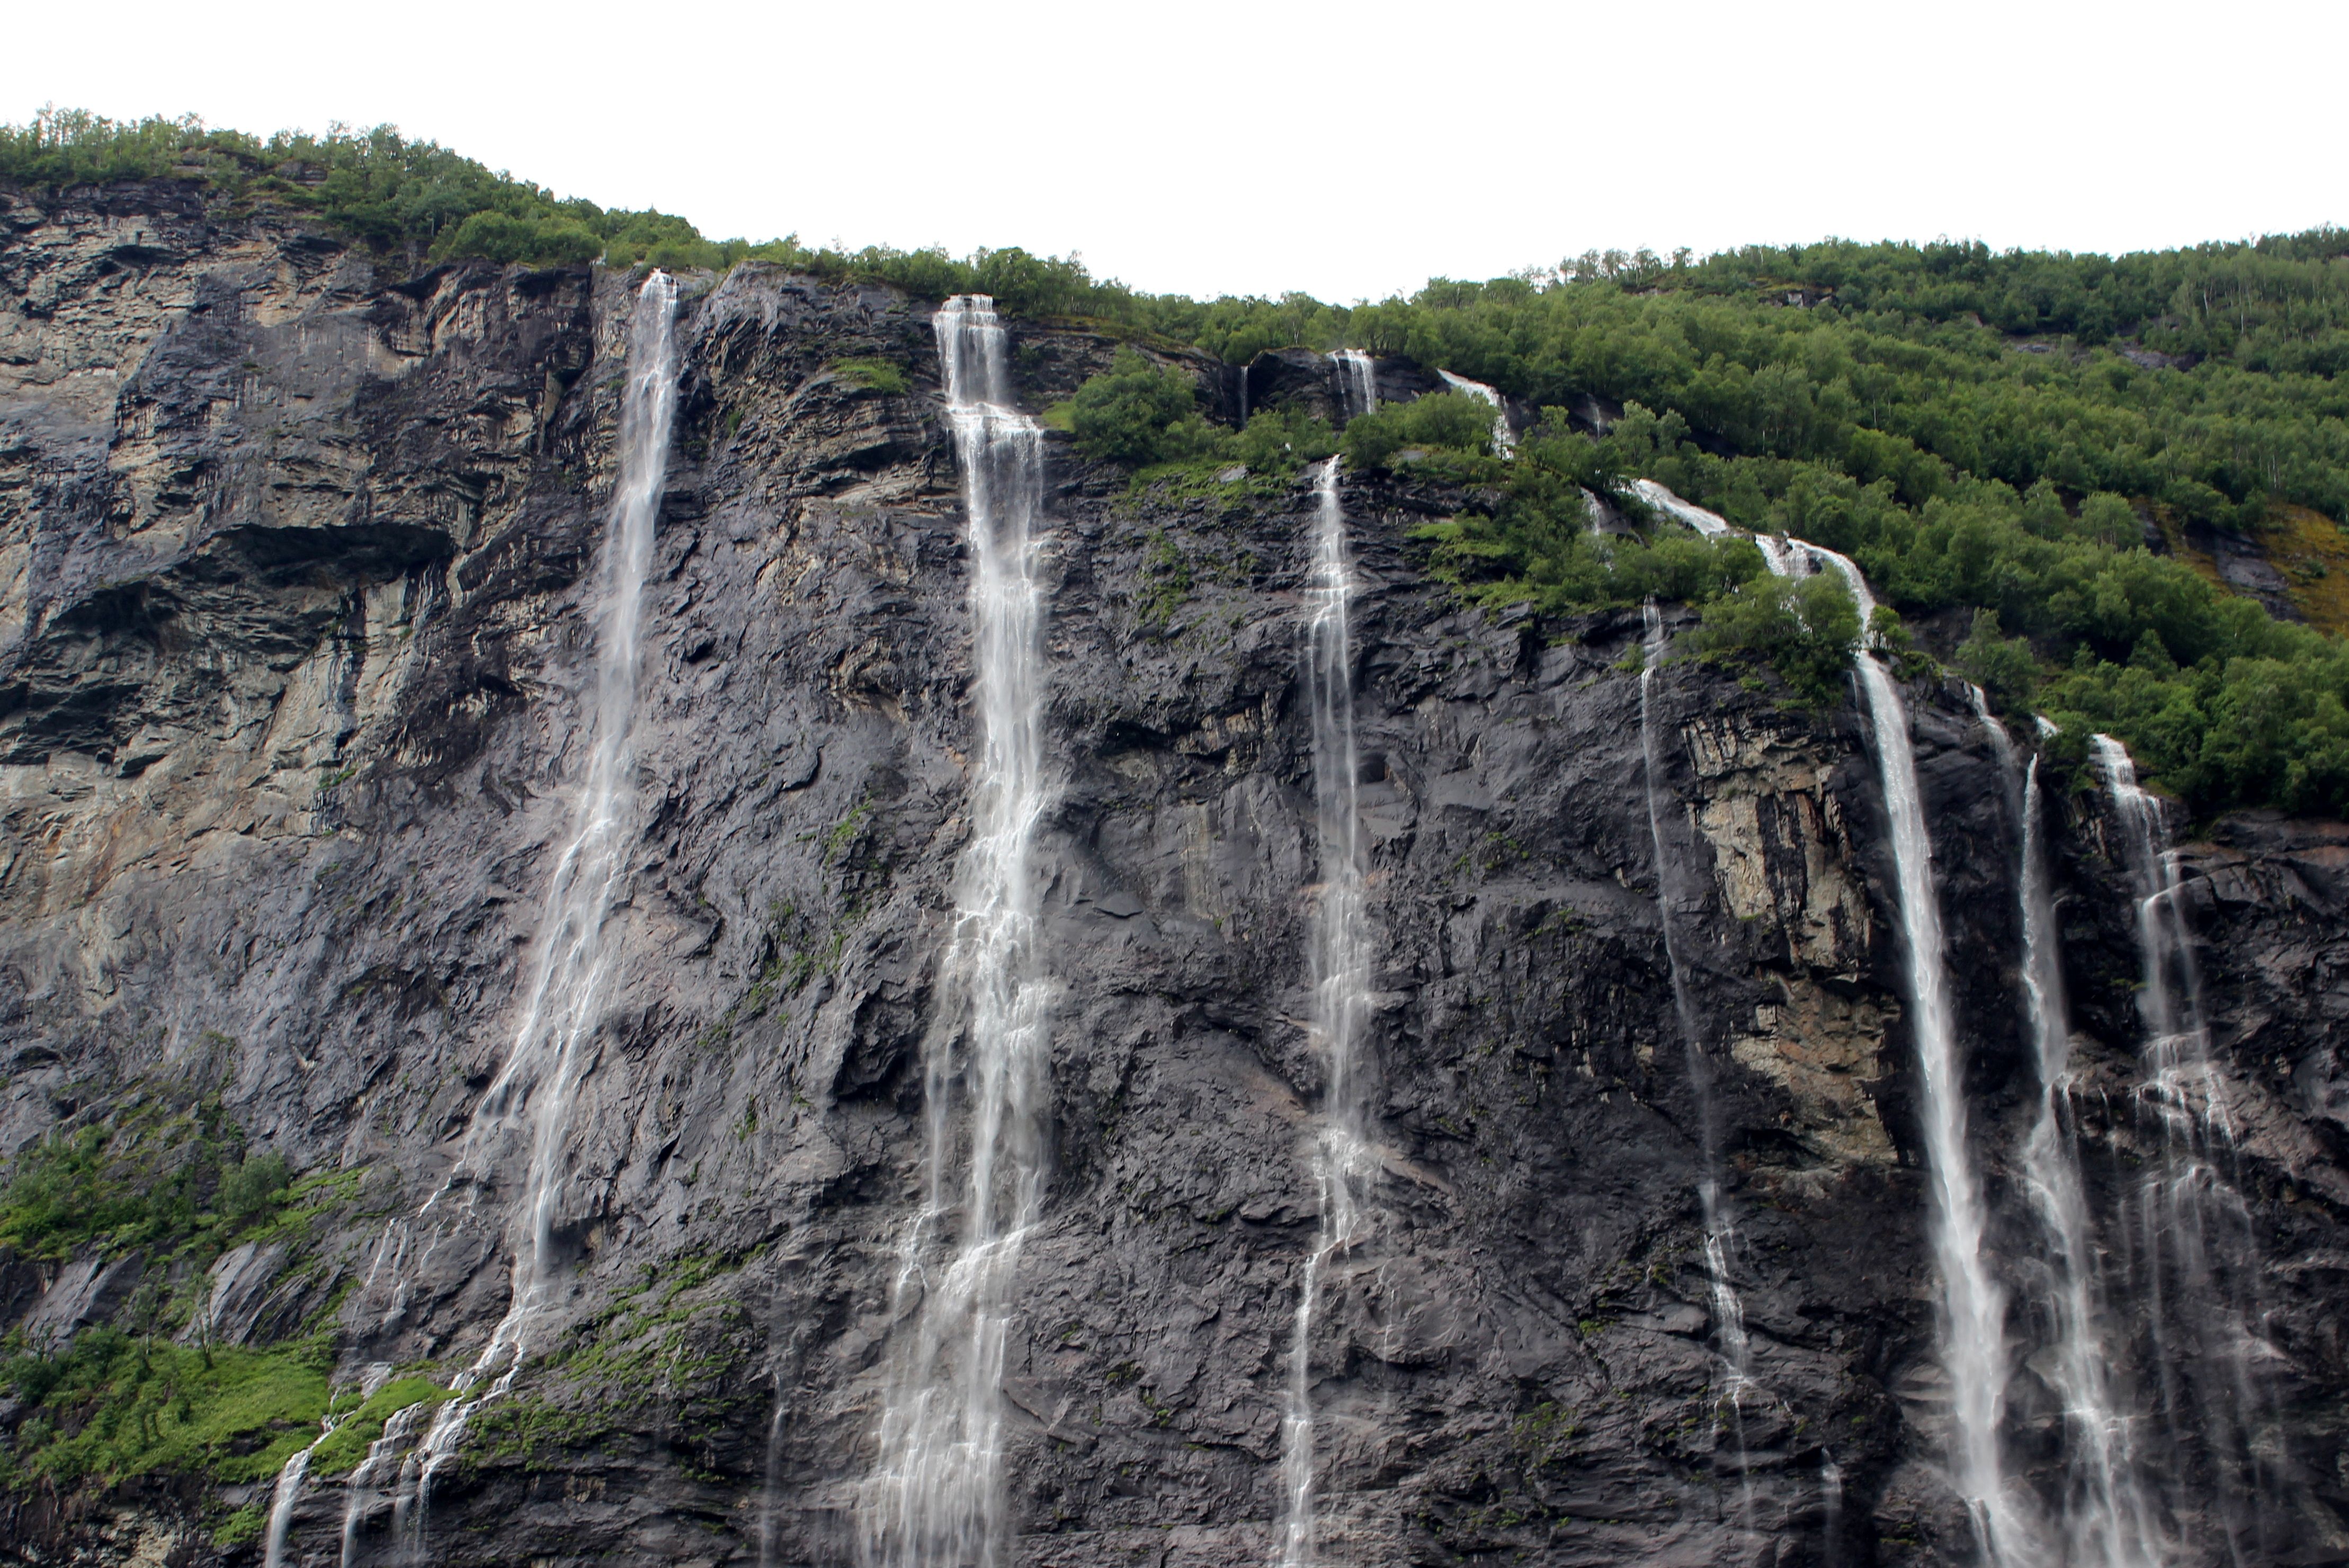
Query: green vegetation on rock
(166,1180)
(340,1452)
(870,375)
(656,1345)
(1145,414)
(1806,627)
(1447,420)
(115,1407)
(151,1177)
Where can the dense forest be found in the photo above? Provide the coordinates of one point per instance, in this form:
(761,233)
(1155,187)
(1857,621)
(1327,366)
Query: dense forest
(2016,447)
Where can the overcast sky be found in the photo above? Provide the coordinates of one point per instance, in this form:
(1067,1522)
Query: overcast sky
(1349,150)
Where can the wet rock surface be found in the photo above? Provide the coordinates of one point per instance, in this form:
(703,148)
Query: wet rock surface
(295,565)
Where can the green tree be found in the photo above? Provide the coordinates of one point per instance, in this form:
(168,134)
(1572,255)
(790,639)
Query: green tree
(1806,628)
(2002,666)
(1135,412)
(1444,421)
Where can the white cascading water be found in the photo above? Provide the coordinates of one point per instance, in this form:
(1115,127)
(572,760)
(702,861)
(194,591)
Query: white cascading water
(1344,1165)
(936,1498)
(283,1499)
(2198,1311)
(1972,1307)
(533,1092)
(1784,557)
(1504,440)
(1711,524)
(1730,1338)
(364,1491)
(1357,381)
(2105,1518)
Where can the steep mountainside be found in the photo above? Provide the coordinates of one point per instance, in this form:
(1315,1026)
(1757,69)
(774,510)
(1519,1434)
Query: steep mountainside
(297,567)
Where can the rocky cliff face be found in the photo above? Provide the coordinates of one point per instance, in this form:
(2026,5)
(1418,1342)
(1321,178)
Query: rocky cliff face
(295,557)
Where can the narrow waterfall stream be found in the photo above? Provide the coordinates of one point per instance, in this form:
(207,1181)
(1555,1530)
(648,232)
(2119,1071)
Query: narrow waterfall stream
(1730,1338)
(1972,1314)
(1973,1306)
(1344,1165)
(283,1501)
(2188,1221)
(2103,1518)
(1504,440)
(532,1096)
(936,1498)
(1357,383)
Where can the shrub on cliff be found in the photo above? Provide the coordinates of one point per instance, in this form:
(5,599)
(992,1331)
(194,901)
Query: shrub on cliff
(1442,421)
(1139,413)
(1135,412)
(1806,628)
(1537,547)
(2002,666)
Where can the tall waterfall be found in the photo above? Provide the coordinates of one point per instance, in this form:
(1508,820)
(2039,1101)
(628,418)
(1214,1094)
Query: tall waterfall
(2103,1518)
(2187,1220)
(936,1498)
(1504,440)
(574,969)
(1357,381)
(1344,1166)
(1973,1306)
(1730,1337)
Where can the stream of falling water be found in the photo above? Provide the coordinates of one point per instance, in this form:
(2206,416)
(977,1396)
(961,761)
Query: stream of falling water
(1343,1164)
(1972,1307)
(1730,1337)
(2104,1519)
(936,1498)
(1504,440)
(283,1499)
(1358,381)
(2199,1300)
(533,1092)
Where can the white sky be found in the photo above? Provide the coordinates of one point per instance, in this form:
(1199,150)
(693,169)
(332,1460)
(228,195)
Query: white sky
(1349,150)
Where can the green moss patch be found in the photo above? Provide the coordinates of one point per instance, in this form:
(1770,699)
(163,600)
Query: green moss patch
(340,1452)
(113,1408)
(870,375)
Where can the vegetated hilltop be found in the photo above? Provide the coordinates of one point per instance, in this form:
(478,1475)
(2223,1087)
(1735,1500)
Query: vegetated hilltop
(2058,466)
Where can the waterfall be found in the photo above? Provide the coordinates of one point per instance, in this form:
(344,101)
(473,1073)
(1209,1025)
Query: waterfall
(1504,440)
(770,1479)
(2199,1306)
(1972,1307)
(1720,1235)
(283,1501)
(533,1092)
(2103,1519)
(937,1497)
(361,1495)
(1357,381)
(1711,524)
(1784,557)
(1343,1163)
